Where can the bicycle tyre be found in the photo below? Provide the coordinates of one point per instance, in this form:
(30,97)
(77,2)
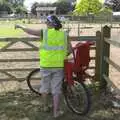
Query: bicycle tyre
(30,79)
(72,107)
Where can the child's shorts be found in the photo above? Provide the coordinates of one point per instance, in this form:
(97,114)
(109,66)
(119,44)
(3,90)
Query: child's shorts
(51,80)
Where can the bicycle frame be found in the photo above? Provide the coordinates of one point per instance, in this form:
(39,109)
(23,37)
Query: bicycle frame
(78,65)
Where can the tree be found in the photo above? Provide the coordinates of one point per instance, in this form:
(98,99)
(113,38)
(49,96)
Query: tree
(20,10)
(113,4)
(5,6)
(63,7)
(33,8)
(11,6)
(18,6)
(85,7)
(116,5)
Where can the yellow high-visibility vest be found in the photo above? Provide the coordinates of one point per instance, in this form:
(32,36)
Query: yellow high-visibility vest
(53,49)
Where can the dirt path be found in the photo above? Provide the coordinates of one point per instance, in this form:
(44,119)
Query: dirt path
(24,105)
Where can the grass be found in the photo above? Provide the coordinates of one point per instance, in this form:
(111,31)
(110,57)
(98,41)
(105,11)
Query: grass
(9,31)
(7,28)
(2,44)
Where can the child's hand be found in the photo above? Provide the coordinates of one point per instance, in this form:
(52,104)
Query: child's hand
(18,26)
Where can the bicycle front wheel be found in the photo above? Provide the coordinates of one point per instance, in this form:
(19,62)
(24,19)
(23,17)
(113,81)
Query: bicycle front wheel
(33,81)
(77,97)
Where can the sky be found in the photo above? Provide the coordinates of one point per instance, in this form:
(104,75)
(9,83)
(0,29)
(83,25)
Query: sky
(28,3)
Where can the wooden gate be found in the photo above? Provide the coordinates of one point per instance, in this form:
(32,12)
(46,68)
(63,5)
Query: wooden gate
(12,48)
(19,56)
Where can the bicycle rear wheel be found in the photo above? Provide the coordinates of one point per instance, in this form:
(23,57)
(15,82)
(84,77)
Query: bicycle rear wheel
(77,97)
(33,81)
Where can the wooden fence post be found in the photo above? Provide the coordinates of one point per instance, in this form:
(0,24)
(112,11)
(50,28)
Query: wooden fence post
(97,58)
(105,52)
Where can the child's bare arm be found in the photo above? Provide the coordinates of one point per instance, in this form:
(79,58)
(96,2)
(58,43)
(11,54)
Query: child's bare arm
(29,30)
(69,48)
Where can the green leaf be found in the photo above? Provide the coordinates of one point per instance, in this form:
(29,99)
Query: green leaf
(85,7)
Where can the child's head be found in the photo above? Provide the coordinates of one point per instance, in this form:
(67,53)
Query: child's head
(53,21)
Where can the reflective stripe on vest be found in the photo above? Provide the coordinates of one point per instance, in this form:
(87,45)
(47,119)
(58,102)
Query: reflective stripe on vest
(47,47)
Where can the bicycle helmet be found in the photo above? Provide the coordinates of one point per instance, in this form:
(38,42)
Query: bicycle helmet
(55,22)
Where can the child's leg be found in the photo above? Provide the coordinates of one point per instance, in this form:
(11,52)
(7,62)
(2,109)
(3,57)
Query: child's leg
(56,85)
(45,88)
(45,102)
(56,106)
(56,103)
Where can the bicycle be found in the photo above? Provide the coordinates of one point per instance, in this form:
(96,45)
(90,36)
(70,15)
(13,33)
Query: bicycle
(76,93)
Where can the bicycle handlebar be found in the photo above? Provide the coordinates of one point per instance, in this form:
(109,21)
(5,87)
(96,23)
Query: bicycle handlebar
(79,44)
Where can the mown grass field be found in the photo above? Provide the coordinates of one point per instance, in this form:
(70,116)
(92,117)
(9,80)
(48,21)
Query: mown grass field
(9,31)
(7,28)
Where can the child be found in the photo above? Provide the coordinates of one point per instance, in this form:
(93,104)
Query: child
(53,51)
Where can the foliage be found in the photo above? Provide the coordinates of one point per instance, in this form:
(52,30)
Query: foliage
(113,4)
(63,7)
(20,10)
(12,6)
(5,6)
(33,8)
(105,13)
(116,5)
(105,10)
(84,7)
